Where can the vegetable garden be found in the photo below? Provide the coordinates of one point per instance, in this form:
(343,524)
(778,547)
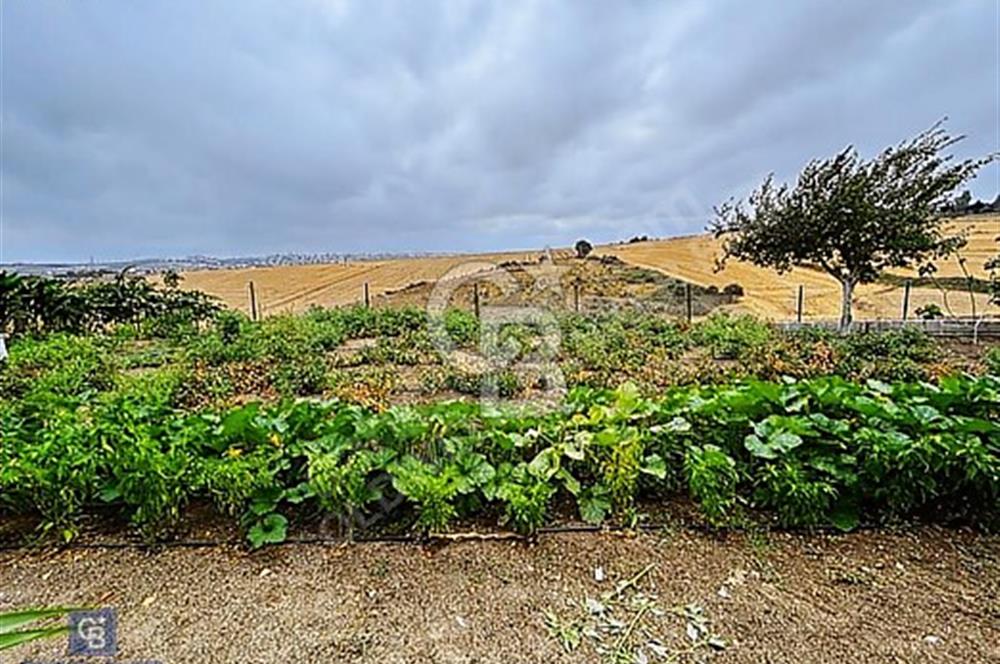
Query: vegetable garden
(282,423)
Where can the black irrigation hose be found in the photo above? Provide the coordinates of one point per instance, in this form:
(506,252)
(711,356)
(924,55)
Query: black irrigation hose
(412,538)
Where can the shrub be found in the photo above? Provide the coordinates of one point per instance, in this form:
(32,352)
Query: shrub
(729,335)
(733,289)
(712,481)
(991,360)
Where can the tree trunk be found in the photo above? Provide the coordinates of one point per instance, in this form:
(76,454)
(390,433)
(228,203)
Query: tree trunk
(847,297)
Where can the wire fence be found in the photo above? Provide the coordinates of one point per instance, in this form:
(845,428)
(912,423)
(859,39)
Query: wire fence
(960,327)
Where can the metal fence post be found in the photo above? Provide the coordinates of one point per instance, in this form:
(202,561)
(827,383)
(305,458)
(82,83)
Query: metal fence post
(906,298)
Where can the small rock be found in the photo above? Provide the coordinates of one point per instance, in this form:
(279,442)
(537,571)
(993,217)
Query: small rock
(265,572)
(716,643)
(598,574)
(724,593)
(461,622)
(932,640)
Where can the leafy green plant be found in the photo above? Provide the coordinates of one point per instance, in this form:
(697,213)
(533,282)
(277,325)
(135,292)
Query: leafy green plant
(268,528)
(11,622)
(731,336)
(435,488)
(462,327)
(525,497)
(342,479)
(797,497)
(712,479)
(991,360)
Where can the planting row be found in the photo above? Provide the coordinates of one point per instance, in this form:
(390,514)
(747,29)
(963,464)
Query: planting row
(379,357)
(799,453)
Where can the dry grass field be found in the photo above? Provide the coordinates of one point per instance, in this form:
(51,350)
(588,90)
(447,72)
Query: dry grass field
(768,294)
(295,288)
(771,295)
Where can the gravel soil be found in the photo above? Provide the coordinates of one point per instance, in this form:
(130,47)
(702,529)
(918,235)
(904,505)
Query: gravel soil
(914,596)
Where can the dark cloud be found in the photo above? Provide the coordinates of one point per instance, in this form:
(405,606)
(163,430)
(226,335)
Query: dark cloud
(170,128)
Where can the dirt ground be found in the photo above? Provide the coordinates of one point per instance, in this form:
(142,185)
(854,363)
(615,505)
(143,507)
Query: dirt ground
(925,595)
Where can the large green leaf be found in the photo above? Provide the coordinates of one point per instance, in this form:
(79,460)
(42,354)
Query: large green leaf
(594,506)
(272,529)
(655,465)
(776,444)
(845,516)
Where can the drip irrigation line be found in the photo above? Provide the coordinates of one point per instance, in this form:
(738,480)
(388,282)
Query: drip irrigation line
(422,540)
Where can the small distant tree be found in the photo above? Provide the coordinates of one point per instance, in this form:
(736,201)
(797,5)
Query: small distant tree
(850,217)
(929,311)
(171,279)
(583,248)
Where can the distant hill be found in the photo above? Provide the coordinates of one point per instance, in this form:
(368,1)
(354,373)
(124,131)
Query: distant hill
(692,258)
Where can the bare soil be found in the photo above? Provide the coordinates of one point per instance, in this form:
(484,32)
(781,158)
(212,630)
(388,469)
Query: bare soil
(920,595)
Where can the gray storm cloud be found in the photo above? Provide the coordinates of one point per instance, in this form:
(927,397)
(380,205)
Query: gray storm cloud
(172,128)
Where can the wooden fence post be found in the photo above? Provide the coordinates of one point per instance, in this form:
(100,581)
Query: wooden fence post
(368,300)
(253,301)
(801,303)
(689,302)
(906,298)
(475,298)
(576,296)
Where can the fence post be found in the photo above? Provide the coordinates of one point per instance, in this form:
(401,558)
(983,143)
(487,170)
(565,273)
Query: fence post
(688,302)
(906,298)
(576,296)
(801,303)
(253,301)
(475,298)
(368,300)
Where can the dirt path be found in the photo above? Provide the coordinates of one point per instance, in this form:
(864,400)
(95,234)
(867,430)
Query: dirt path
(929,595)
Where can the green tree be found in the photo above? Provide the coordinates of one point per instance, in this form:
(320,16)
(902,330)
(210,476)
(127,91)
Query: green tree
(583,248)
(171,279)
(850,217)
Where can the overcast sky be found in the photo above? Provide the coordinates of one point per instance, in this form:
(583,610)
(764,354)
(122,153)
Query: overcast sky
(166,128)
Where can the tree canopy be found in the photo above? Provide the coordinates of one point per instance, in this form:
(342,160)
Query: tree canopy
(852,217)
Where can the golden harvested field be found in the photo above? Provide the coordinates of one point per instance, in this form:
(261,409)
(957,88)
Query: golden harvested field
(295,288)
(768,294)
(771,295)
